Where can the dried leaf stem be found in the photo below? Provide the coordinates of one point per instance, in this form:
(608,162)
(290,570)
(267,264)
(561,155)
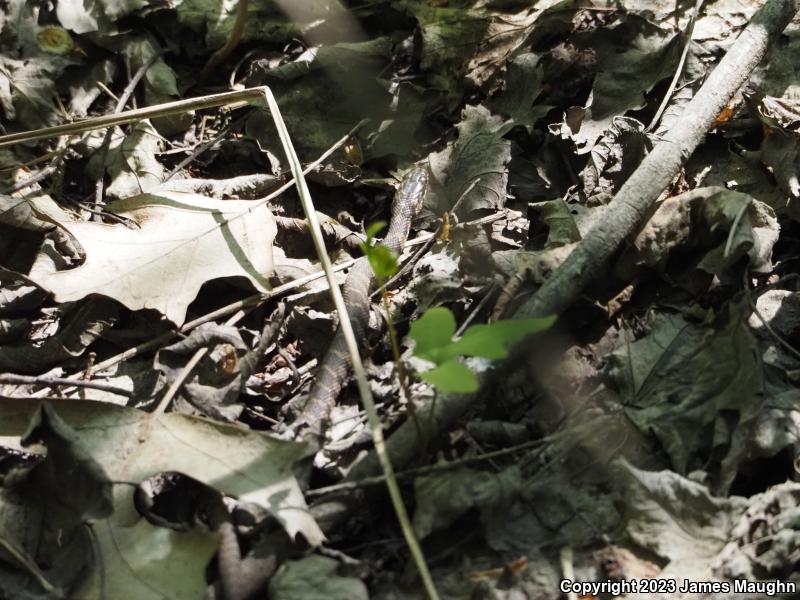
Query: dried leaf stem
(679,71)
(131,116)
(14,379)
(352,345)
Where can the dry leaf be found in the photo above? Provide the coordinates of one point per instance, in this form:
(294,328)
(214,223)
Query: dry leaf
(182,241)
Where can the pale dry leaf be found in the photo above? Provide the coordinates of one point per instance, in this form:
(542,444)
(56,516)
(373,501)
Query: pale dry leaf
(145,561)
(182,241)
(131,162)
(132,446)
(34,213)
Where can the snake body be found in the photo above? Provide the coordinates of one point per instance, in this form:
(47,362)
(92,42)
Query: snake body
(335,369)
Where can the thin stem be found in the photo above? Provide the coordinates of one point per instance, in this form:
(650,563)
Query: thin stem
(435,468)
(130,116)
(402,376)
(15,379)
(471,317)
(201,148)
(689,30)
(352,345)
(121,102)
(734,228)
(178,382)
(29,565)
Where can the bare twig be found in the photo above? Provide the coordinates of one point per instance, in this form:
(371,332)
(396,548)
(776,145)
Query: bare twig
(679,71)
(236,35)
(43,173)
(21,557)
(121,102)
(187,369)
(57,381)
(474,313)
(202,148)
(34,161)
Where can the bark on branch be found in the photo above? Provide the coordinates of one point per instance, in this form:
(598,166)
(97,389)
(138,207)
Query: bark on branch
(626,212)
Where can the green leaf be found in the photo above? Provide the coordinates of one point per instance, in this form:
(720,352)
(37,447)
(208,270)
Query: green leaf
(382,260)
(374,229)
(452,376)
(492,341)
(432,332)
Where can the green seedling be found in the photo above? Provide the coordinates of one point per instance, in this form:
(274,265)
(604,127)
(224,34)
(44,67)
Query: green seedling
(381,259)
(383,263)
(433,334)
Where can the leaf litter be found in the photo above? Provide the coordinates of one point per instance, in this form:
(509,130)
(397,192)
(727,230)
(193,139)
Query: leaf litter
(650,433)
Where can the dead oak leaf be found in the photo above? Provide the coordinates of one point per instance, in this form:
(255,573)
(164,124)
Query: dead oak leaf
(180,241)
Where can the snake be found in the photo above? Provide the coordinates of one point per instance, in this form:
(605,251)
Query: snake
(334,371)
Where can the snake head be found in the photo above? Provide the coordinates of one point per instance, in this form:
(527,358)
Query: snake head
(411,193)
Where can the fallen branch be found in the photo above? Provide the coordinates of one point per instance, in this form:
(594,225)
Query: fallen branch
(14,379)
(636,199)
(625,214)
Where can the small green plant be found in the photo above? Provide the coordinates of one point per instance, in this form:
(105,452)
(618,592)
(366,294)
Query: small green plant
(383,263)
(433,333)
(382,260)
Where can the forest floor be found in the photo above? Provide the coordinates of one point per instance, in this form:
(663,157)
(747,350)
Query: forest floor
(163,312)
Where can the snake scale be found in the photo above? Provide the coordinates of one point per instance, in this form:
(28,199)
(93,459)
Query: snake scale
(335,369)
